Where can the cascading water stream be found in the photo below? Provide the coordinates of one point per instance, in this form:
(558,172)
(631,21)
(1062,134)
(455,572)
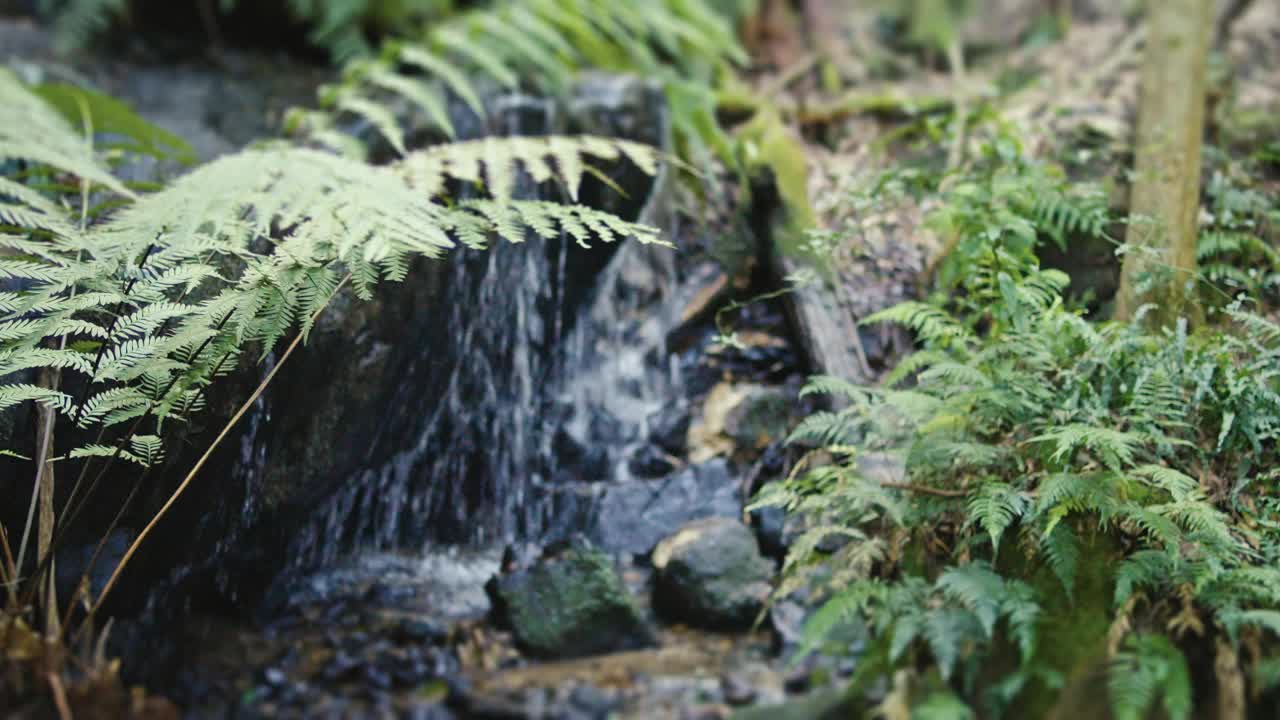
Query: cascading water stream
(544,371)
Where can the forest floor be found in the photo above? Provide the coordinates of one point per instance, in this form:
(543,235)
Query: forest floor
(388,635)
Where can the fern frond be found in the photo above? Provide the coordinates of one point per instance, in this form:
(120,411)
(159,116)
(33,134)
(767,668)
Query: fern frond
(1145,568)
(994,508)
(94,450)
(839,387)
(115,124)
(979,589)
(942,706)
(33,131)
(79,22)
(544,158)
(846,606)
(932,325)
(911,365)
(1115,448)
(1150,669)
(946,631)
(14,393)
(1061,552)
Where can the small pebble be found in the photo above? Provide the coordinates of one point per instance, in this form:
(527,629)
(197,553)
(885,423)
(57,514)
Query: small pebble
(274,676)
(737,689)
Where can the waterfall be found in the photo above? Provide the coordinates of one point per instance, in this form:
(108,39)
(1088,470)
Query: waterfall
(537,346)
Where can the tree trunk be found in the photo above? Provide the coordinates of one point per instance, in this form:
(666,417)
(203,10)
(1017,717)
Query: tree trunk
(1160,263)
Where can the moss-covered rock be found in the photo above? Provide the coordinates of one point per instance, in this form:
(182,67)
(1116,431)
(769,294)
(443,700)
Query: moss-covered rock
(569,605)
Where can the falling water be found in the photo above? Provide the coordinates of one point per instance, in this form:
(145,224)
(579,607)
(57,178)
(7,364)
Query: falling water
(546,353)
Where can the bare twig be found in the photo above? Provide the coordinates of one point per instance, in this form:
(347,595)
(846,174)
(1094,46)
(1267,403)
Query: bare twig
(59,695)
(9,576)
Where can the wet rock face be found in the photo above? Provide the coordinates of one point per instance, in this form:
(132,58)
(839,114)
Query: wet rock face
(73,561)
(632,517)
(711,574)
(569,605)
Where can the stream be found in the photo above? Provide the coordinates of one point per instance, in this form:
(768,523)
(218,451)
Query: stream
(585,414)
(513,486)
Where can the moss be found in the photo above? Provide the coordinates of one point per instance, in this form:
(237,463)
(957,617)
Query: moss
(571,605)
(771,147)
(1073,628)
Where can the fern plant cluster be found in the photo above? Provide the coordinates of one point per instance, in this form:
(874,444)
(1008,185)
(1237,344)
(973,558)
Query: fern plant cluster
(1049,466)
(999,209)
(343,27)
(687,46)
(1235,249)
(432,54)
(150,284)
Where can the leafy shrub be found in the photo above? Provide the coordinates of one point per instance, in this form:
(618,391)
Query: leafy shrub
(1235,249)
(1036,450)
(432,53)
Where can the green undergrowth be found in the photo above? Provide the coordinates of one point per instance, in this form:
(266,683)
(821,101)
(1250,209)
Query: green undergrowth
(1072,495)
(403,62)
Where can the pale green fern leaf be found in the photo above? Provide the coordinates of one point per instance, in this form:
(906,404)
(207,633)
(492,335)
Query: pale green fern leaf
(31,130)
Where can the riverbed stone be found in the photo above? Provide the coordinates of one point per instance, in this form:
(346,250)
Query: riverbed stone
(763,415)
(829,704)
(631,517)
(570,604)
(711,574)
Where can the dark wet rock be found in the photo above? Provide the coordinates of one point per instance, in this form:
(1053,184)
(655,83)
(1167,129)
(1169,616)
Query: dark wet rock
(591,701)
(341,667)
(421,630)
(770,525)
(737,690)
(387,595)
(376,677)
(786,620)
(800,678)
(578,459)
(429,711)
(518,556)
(632,517)
(711,574)
(411,672)
(669,428)
(570,605)
(74,561)
(499,707)
(651,461)
(821,705)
